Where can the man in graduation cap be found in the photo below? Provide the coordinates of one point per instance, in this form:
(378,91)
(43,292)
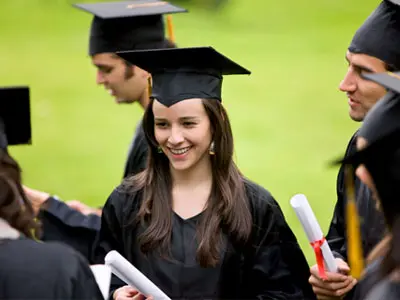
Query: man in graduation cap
(377,164)
(374,48)
(116,26)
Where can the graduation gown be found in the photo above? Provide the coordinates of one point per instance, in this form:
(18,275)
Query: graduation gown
(34,270)
(67,225)
(371,220)
(271,266)
(137,154)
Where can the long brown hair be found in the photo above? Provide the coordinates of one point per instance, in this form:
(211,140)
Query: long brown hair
(228,209)
(14,206)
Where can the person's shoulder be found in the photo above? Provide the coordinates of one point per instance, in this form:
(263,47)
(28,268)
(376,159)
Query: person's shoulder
(127,195)
(260,199)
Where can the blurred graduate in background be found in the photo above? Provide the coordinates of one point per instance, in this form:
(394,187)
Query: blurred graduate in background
(116,26)
(31,269)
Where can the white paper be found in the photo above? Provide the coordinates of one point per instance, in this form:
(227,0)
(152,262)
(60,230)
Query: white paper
(312,229)
(124,270)
(102,274)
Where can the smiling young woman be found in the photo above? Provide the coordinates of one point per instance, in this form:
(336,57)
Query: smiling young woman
(191,222)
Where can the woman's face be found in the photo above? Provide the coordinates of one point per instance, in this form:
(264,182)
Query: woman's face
(183,131)
(364,175)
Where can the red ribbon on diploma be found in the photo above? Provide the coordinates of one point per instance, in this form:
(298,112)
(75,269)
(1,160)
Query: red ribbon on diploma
(320,259)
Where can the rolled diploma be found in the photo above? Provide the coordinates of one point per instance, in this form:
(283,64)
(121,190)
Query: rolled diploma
(312,229)
(123,269)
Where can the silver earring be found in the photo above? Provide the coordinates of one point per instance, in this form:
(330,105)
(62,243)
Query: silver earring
(212,148)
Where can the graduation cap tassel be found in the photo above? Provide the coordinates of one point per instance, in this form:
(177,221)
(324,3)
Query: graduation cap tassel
(354,250)
(170,27)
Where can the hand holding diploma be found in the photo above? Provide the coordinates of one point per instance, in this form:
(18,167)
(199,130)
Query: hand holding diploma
(329,277)
(124,270)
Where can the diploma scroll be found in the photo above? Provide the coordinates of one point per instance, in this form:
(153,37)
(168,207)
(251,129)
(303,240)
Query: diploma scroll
(125,271)
(314,234)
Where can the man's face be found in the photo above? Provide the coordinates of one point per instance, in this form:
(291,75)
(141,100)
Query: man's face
(362,94)
(126,84)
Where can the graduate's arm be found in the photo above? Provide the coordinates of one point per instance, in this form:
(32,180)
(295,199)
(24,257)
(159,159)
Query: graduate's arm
(69,216)
(49,207)
(279,269)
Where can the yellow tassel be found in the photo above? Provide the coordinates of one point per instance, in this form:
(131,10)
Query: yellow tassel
(354,244)
(170,27)
(149,85)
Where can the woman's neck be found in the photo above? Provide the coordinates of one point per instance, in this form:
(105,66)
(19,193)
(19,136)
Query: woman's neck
(197,174)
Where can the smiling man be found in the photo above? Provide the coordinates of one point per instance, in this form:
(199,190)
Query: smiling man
(374,48)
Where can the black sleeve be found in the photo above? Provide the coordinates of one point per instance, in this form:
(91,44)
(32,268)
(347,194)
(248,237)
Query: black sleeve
(336,236)
(279,269)
(64,224)
(71,217)
(137,157)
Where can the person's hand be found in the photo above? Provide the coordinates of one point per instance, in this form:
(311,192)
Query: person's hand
(129,293)
(336,286)
(36,198)
(83,208)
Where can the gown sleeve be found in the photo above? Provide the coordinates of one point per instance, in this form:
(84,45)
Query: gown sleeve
(64,224)
(277,266)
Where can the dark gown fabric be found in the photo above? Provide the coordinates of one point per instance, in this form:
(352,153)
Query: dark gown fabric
(64,224)
(270,266)
(33,270)
(137,155)
(371,220)
(373,287)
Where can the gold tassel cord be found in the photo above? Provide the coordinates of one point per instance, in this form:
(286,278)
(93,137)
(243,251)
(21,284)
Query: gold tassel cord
(354,244)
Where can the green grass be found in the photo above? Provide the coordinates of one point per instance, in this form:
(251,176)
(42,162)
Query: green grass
(289,118)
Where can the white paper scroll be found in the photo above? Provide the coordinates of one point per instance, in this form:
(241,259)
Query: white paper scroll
(312,229)
(125,271)
(102,274)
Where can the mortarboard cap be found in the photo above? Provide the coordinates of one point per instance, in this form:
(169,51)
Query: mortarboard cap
(127,25)
(184,73)
(379,36)
(15,118)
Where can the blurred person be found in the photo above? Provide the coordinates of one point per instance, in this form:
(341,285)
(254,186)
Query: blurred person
(31,269)
(116,26)
(377,164)
(191,222)
(374,48)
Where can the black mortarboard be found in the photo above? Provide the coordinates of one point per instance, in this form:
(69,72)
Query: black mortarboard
(379,36)
(15,117)
(127,25)
(184,73)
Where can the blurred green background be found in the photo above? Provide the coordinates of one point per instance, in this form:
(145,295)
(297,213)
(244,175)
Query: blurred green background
(288,117)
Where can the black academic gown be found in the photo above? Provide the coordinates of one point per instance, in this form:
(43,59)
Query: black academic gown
(271,266)
(63,224)
(137,153)
(371,220)
(34,270)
